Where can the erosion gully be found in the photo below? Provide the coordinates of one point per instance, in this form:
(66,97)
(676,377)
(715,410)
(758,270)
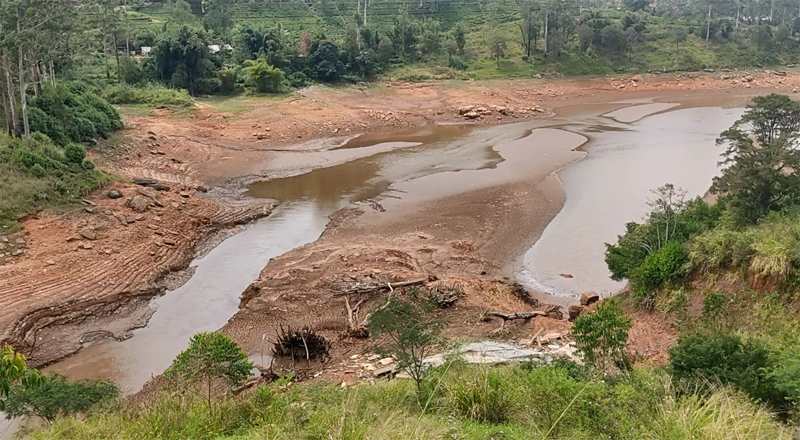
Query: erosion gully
(633,147)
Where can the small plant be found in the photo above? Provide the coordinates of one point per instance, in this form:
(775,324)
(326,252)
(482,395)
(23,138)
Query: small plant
(211,359)
(58,397)
(601,336)
(409,334)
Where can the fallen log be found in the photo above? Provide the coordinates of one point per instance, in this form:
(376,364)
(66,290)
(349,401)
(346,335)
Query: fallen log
(513,316)
(372,288)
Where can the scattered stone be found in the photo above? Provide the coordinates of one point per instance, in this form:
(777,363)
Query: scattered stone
(88,234)
(145,182)
(589,297)
(575,311)
(114,194)
(88,209)
(566,275)
(138,203)
(88,202)
(185,194)
(472,115)
(386,361)
(385,371)
(86,246)
(169,242)
(553,346)
(355,356)
(139,217)
(20,241)
(795,90)
(466,109)
(51,263)
(202,188)
(160,187)
(17,253)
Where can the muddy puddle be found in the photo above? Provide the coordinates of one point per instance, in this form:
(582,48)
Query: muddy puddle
(610,187)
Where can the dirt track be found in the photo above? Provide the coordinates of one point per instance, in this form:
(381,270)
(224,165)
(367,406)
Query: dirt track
(58,293)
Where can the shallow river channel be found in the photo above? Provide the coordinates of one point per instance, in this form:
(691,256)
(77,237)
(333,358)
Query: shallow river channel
(627,154)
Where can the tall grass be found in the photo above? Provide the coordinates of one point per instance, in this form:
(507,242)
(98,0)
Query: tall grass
(541,402)
(770,249)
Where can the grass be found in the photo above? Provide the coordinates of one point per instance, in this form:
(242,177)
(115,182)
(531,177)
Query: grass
(149,94)
(527,402)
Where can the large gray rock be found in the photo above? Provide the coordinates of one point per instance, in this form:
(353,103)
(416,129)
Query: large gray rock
(114,194)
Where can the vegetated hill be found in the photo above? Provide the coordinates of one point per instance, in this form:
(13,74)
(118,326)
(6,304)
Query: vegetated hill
(582,37)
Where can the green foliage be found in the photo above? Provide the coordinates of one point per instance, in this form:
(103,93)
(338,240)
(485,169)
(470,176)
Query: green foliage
(411,334)
(149,94)
(72,113)
(261,76)
(212,359)
(760,147)
(601,336)
(703,359)
(58,397)
(538,402)
(325,63)
(665,265)
(483,397)
(42,175)
(15,374)
(182,60)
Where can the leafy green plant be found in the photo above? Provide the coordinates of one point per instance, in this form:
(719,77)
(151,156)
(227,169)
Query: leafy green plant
(407,331)
(211,359)
(601,335)
(14,372)
(58,397)
(261,76)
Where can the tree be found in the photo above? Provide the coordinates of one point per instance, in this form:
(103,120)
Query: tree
(211,359)
(679,35)
(14,372)
(761,158)
(182,59)
(460,37)
(411,335)
(601,336)
(58,396)
(325,63)
(585,37)
(218,17)
(261,76)
(614,40)
(179,12)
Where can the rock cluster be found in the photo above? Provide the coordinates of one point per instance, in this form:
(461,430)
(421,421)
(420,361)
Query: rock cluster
(479,111)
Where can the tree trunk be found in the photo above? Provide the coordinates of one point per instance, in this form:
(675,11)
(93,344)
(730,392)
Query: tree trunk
(105,57)
(545,32)
(738,10)
(23,98)
(52,73)
(708,23)
(116,55)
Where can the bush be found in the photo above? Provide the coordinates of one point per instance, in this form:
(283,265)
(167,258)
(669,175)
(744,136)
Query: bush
(261,76)
(155,95)
(601,336)
(700,360)
(227,80)
(454,62)
(659,268)
(58,397)
(74,153)
(72,112)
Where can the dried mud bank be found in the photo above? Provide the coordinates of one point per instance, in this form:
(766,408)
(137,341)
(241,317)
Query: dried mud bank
(89,274)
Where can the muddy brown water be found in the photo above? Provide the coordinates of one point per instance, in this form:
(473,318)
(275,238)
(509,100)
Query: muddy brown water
(609,187)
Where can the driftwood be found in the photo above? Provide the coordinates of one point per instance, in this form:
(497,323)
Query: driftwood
(513,316)
(365,288)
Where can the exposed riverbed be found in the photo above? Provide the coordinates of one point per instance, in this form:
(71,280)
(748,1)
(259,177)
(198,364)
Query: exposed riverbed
(606,189)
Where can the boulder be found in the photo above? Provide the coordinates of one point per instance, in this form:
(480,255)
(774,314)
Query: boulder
(160,187)
(114,194)
(145,182)
(575,311)
(588,298)
(139,203)
(466,109)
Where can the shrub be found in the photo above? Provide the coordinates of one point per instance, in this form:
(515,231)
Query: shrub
(700,360)
(72,112)
(58,396)
(601,336)
(150,94)
(261,76)
(455,62)
(658,268)
(74,153)
(227,80)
